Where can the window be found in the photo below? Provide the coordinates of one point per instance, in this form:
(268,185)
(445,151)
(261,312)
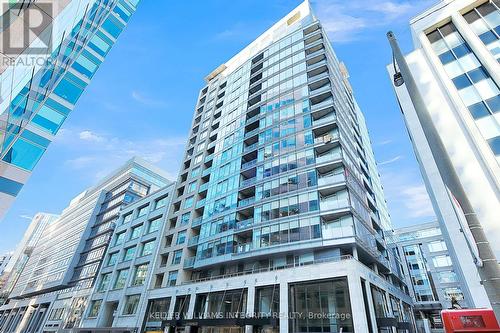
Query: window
(127,218)
(191,187)
(154,225)
(198,159)
(94,308)
(188,203)
(447,277)
(181,237)
(177,257)
(136,232)
(437,246)
(121,279)
(119,238)
(129,253)
(105,278)
(160,203)
(172,278)
(185,218)
(441,261)
(142,211)
(140,275)
(112,259)
(131,304)
(147,248)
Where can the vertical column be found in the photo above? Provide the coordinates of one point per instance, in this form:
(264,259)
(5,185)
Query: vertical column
(355,252)
(357,304)
(284,310)
(250,311)
(477,46)
(371,308)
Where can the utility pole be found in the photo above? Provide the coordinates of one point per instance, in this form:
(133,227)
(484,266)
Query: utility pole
(489,271)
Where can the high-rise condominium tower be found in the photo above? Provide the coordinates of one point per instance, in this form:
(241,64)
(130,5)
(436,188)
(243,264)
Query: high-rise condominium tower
(49,52)
(278,207)
(456,69)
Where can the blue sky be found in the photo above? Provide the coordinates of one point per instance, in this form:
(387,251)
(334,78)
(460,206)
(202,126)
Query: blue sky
(142,98)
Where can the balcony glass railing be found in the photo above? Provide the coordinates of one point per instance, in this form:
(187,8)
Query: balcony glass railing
(244,224)
(249,164)
(243,248)
(200,203)
(189,262)
(251,147)
(327,102)
(334,135)
(204,187)
(246,202)
(331,179)
(332,156)
(193,240)
(331,204)
(197,221)
(252,132)
(248,182)
(206,172)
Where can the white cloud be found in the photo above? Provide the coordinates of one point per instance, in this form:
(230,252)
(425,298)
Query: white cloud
(90,136)
(383,142)
(345,21)
(406,196)
(418,202)
(100,154)
(391,160)
(147,101)
(26,217)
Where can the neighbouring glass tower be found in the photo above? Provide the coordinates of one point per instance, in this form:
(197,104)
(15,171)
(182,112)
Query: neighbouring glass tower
(56,282)
(44,69)
(278,206)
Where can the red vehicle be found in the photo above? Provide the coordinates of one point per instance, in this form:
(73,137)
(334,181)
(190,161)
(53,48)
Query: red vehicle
(469,320)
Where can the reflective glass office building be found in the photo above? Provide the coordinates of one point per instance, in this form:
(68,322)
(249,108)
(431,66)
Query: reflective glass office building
(44,70)
(278,207)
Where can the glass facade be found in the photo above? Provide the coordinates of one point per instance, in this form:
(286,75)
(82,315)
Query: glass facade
(321,306)
(52,89)
(276,143)
(478,91)
(484,20)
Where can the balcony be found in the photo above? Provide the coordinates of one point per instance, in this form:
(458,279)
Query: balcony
(333,204)
(246,202)
(209,158)
(244,248)
(203,187)
(331,179)
(193,241)
(332,156)
(197,221)
(329,137)
(248,182)
(249,164)
(326,103)
(189,262)
(200,203)
(206,172)
(252,133)
(251,147)
(244,224)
